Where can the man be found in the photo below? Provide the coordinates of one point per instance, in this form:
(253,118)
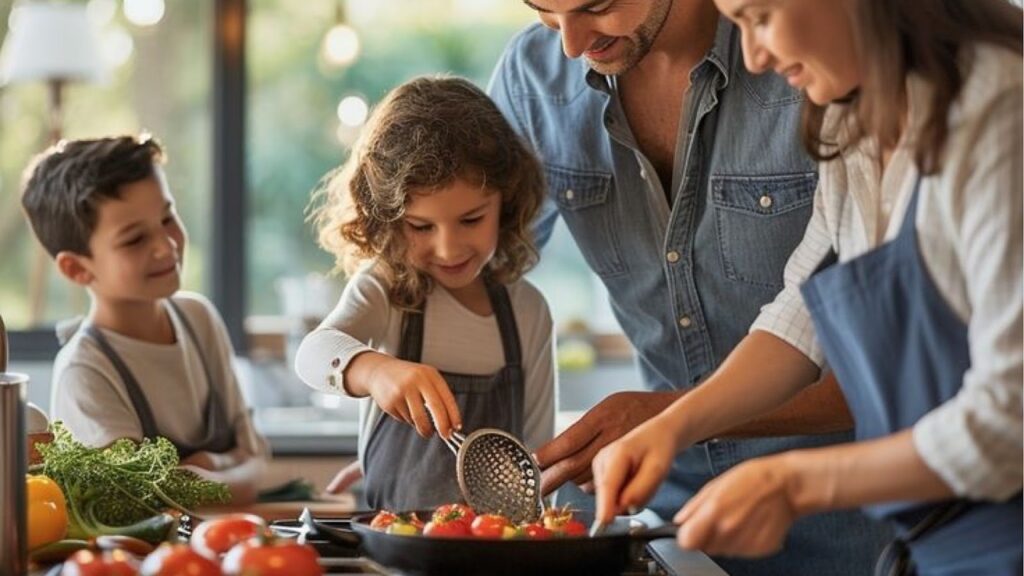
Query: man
(679,176)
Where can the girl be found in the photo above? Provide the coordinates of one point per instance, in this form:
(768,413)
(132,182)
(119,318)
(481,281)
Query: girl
(915,111)
(436,327)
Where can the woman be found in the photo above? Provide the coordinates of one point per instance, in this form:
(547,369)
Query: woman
(910,273)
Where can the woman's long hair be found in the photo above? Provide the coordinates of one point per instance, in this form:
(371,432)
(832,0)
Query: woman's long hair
(895,38)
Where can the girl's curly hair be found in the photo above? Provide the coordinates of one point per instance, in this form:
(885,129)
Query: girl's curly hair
(424,135)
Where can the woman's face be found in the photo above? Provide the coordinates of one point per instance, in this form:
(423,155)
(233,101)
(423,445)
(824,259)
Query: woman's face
(808,42)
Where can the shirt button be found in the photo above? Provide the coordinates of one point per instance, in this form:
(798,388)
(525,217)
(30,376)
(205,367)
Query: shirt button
(685,322)
(672,257)
(569,194)
(765,201)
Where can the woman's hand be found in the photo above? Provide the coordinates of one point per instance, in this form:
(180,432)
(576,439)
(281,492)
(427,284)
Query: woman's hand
(745,512)
(408,392)
(629,470)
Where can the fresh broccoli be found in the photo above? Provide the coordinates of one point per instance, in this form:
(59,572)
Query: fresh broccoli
(123,484)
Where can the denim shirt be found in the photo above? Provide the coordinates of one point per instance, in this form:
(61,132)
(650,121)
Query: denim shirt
(685,281)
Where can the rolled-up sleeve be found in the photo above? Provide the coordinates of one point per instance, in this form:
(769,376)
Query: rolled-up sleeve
(974,441)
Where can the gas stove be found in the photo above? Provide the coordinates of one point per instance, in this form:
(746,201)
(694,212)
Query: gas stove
(657,558)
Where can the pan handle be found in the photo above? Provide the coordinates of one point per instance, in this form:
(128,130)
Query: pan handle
(313,527)
(663,531)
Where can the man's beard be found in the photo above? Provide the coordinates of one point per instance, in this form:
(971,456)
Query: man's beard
(638,44)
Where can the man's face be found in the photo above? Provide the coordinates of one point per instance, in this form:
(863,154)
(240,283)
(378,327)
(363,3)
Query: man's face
(613,35)
(138,244)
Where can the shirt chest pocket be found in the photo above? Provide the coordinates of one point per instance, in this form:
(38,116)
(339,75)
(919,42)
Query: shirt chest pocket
(586,202)
(760,221)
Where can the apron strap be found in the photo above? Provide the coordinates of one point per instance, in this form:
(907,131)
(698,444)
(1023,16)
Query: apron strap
(506,322)
(895,559)
(139,402)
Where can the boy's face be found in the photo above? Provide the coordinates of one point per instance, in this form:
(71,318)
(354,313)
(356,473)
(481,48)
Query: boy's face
(138,245)
(452,233)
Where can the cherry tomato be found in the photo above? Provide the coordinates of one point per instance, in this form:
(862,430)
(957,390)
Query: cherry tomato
(489,526)
(451,529)
(279,558)
(383,519)
(536,531)
(178,560)
(106,563)
(216,536)
(574,528)
(454,513)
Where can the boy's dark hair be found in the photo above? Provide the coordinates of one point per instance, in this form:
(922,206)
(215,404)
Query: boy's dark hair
(64,186)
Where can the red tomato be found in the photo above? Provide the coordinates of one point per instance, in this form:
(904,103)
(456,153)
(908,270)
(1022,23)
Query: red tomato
(536,531)
(383,519)
(454,513)
(279,558)
(453,529)
(178,560)
(489,526)
(574,528)
(216,536)
(106,563)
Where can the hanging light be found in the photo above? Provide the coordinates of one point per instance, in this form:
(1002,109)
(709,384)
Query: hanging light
(144,12)
(340,46)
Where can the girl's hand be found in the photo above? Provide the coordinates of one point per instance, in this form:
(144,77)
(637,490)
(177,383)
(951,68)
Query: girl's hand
(628,471)
(408,392)
(345,478)
(745,512)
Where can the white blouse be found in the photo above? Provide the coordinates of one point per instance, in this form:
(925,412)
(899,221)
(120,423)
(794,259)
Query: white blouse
(969,228)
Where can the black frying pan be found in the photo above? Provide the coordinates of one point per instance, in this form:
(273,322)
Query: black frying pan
(608,553)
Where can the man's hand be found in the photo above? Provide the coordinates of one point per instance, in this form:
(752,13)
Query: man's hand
(568,457)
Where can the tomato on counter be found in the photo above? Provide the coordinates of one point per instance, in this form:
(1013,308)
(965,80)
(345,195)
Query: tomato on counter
(47,511)
(276,558)
(106,563)
(178,560)
(213,538)
(535,531)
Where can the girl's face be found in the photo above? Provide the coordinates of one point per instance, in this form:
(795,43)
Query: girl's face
(808,42)
(452,232)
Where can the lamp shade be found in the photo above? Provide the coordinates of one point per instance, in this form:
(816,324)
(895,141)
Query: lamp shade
(51,41)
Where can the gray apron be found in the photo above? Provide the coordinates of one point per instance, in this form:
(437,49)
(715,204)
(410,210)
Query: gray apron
(899,351)
(220,437)
(404,471)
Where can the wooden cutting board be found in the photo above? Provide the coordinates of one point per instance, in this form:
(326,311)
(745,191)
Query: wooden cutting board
(324,507)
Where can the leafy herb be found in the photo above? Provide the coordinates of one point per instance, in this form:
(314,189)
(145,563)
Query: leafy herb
(123,483)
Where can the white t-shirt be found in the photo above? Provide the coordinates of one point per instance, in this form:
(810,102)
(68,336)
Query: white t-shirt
(454,340)
(90,397)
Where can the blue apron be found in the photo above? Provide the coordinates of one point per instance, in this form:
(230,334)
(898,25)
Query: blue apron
(404,471)
(899,351)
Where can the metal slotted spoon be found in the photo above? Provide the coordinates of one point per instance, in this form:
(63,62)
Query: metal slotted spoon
(497,474)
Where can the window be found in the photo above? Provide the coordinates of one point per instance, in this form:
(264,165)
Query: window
(160,82)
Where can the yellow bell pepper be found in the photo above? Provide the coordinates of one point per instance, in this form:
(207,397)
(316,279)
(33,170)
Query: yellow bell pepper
(47,511)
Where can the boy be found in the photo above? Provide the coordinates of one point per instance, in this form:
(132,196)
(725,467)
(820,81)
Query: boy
(145,361)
